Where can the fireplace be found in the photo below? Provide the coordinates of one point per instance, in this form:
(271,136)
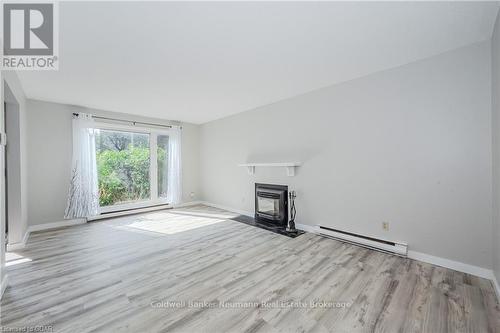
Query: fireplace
(271,204)
(271,210)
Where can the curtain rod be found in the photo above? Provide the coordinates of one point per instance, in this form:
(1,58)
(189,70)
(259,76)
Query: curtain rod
(128,121)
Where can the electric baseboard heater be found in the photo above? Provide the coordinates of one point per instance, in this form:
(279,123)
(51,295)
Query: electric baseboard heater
(398,248)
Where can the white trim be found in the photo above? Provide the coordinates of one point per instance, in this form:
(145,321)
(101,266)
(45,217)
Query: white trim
(306,227)
(447,263)
(129,212)
(458,266)
(281,164)
(3,139)
(438,261)
(153,167)
(497,287)
(451,264)
(133,205)
(3,285)
(153,134)
(55,225)
(188,204)
(143,210)
(20,245)
(290,167)
(67,223)
(234,210)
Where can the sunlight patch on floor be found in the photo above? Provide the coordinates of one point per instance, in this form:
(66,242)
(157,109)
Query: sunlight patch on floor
(207,214)
(174,222)
(12,258)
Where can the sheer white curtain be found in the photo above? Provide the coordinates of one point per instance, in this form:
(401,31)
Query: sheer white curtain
(174,174)
(83,197)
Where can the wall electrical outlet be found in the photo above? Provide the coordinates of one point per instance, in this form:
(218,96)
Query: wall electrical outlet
(385,226)
(191,194)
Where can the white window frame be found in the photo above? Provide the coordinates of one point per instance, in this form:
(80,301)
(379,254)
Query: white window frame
(153,132)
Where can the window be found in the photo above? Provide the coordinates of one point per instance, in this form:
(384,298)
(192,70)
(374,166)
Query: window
(123,165)
(132,167)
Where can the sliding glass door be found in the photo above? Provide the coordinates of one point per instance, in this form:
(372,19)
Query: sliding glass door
(123,165)
(131,168)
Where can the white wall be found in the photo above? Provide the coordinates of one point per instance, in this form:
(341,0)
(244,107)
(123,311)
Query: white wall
(496,146)
(50,149)
(13,188)
(16,149)
(3,276)
(17,227)
(410,145)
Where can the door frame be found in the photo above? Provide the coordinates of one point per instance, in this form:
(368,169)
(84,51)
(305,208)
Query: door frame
(153,132)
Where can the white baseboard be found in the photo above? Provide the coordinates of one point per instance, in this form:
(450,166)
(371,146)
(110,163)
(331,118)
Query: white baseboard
(497,287)
(443,262)
(55,225)
(20,245)
(67,223)
(229,209)
(41,227)
(305,227)
(438,261)
(187,204)
(128,212)
(3,285)
(451,264)
(142,210)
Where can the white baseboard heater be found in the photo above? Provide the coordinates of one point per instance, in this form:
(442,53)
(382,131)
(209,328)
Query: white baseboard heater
(365,241)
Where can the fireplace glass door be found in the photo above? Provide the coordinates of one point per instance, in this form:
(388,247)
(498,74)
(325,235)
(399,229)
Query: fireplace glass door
(268,203)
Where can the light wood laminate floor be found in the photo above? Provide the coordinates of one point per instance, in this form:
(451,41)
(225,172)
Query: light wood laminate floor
(123,275)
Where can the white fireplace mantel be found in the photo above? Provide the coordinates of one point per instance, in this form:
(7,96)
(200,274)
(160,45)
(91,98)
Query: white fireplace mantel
(290,167)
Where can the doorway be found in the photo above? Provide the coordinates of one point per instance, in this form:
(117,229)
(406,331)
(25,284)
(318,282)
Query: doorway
(4,173)
(12,167)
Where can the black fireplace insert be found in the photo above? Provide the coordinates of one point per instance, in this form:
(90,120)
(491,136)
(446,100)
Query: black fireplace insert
(271,204)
